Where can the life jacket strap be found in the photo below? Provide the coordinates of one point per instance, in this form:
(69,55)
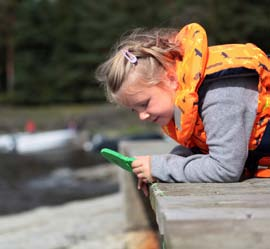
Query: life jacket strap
(258,162)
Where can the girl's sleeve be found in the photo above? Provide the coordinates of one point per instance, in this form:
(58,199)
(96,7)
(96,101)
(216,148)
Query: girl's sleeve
(228,112)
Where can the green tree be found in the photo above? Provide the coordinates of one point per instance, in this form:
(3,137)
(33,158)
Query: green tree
(7,22)
(34,46)
(59,43)
(231,21)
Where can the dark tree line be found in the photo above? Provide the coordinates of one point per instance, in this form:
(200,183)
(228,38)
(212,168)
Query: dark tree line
(49,49)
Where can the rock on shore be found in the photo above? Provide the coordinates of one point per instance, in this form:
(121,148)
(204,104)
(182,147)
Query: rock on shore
(88,224)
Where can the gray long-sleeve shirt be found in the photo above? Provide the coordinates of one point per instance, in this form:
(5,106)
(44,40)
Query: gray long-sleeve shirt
(228,110)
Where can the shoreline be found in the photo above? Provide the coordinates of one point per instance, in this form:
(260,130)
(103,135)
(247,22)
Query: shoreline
(61,185)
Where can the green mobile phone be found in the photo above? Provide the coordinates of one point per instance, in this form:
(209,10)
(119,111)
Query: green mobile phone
(117,158)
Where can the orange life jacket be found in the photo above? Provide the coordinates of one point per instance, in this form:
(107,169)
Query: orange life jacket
(199,60)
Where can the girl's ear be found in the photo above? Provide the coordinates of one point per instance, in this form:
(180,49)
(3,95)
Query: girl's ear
(172,80)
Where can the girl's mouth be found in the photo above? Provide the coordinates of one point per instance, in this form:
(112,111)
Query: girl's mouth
(155,120)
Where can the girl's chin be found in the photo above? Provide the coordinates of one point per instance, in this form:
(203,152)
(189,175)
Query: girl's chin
(162,122)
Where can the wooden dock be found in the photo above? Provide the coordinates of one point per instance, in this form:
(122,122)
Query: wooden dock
(204,215)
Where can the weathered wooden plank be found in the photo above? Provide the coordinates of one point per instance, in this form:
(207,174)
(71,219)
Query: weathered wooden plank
(216,213)
(221,234)
(248,200)
(211,207)
(251,186)
(147,147)
(196,205)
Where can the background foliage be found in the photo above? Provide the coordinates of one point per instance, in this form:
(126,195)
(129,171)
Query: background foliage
(49,49)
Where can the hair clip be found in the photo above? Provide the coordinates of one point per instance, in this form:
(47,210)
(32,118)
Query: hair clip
(129,56)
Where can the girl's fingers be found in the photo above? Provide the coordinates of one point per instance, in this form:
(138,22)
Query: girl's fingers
(145,189)
(136,163)
(143,186)
(141,176)
(137,170)
(140,182)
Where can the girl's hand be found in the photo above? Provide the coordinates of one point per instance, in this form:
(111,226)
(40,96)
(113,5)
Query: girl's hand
(142,168)
(143,186)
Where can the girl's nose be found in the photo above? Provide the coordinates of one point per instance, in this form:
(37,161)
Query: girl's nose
(144,115)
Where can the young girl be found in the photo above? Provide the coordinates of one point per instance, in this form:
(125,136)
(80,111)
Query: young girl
(213,100)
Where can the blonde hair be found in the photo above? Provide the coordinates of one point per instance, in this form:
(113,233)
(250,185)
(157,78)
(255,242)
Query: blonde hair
(155,49)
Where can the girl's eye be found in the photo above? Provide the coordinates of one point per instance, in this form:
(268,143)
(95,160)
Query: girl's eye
(141,106)
(144,104)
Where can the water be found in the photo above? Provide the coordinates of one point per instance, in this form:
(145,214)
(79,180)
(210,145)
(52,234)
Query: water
(53,178)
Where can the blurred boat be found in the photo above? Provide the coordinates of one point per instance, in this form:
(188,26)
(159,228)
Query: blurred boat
(25,143)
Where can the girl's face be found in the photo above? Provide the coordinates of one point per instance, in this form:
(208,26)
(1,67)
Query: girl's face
(153,103)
